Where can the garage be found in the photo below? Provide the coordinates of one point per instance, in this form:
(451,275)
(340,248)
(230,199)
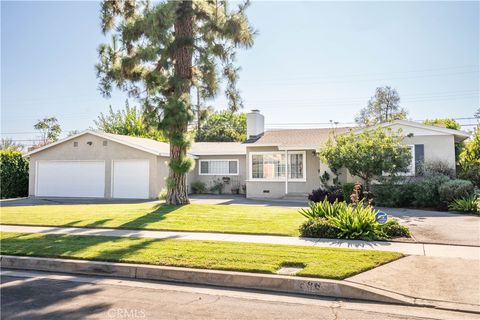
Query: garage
(70,179)
(130,179)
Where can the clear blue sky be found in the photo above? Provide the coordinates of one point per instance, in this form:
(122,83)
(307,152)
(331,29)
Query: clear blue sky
(311,62)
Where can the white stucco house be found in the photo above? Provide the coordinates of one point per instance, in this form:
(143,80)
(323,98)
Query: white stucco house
(270,164)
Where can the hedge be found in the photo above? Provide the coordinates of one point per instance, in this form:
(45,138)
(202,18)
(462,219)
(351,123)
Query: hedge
(13,174)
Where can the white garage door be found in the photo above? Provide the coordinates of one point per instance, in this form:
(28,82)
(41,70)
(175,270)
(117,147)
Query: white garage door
(131,179)
(71,179)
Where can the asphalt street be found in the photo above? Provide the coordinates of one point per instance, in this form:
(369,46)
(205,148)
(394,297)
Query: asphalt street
(39,295)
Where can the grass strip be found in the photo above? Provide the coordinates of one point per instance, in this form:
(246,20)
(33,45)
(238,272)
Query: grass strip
(329,263)
(152,216)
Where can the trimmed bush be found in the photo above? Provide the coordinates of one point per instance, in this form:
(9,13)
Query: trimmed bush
(394,195)
(318,228)
(437,167)
(455,189)
(13,174)
(393,229)
(426,191)
(198,187)
(332,194)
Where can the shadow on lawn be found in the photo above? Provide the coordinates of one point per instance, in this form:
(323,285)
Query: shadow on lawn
(70,246)
(159,213)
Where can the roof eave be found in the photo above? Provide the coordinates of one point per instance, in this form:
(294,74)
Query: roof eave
(95,133)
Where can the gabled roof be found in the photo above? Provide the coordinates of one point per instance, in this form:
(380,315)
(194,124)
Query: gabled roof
(312,139)
(156,147)
(458,134)
(284,139)
(147,145)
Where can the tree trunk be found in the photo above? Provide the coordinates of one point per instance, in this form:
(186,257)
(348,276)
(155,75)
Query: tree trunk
(177,189)
(178,194)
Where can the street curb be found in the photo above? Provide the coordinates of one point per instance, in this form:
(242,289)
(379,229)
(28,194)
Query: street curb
(244,280)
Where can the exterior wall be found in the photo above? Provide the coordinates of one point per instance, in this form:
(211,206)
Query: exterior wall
(436,147)
(276,189)
(439,147)
(236,181)
(112,151)
(162,174)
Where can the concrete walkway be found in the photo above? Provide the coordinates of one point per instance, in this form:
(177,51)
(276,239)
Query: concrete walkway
(420,249)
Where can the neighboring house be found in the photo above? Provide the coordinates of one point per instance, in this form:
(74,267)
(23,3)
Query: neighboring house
(97,164)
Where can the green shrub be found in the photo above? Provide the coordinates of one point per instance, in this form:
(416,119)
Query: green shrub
(426,191)
(356,223)
(331,193)
(162,195)
(13,174)
(394,229)
(318,228)
(394,195)
(437,168)
(471,173)
(466,204)
(323,209)
(346,221)
(455,189)
(198,187)
(348,190)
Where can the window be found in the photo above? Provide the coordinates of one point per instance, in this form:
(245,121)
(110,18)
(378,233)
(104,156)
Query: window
(218,167)
(411,167)
(75,144)
(271,166)
(296,166)
(268,166)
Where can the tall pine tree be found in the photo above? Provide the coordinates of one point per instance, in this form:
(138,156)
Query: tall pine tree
(159,51)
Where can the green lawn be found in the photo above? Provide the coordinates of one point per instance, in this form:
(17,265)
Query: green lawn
(319,262)
(193,217)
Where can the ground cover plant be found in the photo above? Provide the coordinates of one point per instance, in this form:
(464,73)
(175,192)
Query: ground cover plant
(470,204)
(347,221)
(331,263)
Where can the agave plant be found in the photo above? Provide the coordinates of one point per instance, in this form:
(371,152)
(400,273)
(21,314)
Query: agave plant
(466,204)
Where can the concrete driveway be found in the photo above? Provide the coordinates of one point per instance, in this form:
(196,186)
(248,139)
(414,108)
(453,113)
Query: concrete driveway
(427,226)
(438,226)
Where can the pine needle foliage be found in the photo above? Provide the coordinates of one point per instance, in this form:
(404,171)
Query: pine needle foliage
(159,51)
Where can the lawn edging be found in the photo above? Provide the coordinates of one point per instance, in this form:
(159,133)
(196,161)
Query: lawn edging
(244,280)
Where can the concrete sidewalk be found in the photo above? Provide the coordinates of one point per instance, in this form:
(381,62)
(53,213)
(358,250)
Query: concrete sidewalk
(419,249)
(450,282)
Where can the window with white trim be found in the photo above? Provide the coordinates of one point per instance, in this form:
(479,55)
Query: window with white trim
(411,167)
(296,166)
(271,166)
(218,167)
